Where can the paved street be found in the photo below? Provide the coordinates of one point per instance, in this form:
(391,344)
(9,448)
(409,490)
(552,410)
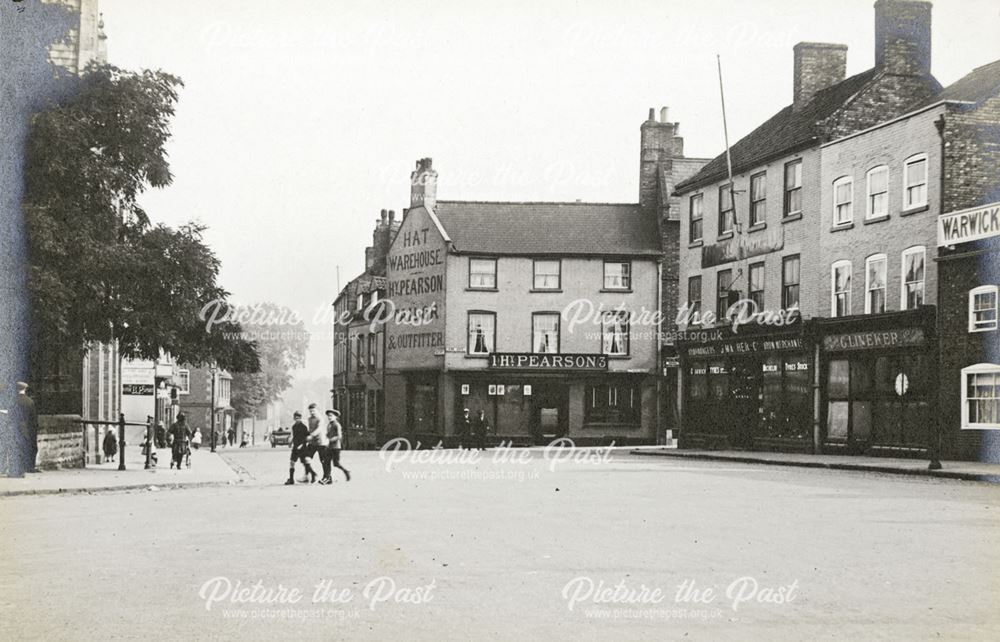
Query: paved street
(502,550)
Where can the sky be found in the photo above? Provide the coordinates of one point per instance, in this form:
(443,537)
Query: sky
(300,120)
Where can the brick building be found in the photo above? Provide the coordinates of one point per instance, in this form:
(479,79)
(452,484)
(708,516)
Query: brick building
(195,396)
(793,226)
(969,266)
(359,345)
(481,292)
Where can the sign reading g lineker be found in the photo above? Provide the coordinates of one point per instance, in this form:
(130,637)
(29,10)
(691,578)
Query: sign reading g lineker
(969,225)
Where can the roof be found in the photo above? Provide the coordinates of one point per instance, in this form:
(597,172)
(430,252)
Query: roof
(493,228)
(982,83)
(783,133)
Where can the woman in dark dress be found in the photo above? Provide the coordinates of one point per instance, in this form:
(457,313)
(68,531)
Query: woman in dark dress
(181,438)
(110,445)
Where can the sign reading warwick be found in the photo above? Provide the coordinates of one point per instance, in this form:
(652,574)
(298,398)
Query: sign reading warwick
(531,361)
(969,225)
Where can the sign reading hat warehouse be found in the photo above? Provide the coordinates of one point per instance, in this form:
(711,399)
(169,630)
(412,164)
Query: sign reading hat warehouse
(969,225)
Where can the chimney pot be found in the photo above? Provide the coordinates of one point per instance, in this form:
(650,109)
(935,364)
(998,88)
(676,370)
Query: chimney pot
(663,114)
(652,114)
(392,216)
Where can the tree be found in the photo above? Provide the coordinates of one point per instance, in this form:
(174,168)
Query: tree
(97,269)
(282,342)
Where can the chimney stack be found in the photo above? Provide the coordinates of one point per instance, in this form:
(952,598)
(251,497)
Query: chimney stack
(423,184)
(818,65)
(659,144)
(903,37)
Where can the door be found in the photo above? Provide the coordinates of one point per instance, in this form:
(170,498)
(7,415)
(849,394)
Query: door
(902,409)
(550,408)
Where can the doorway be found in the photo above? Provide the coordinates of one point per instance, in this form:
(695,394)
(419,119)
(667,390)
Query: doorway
(550,410)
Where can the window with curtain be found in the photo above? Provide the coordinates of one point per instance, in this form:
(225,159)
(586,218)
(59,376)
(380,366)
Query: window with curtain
(840,288)
(843,201)
(793,187)
(694,294)
(483,274)
(913,278)
(875,284)
(756,285)
(981,396)
(696,215)
(983,308)
(758,199)
(482,332)
(547,274)
(617,275)
(915,182)
(615,333)
(545,333)
(790,282)
(725,210)
(723,280)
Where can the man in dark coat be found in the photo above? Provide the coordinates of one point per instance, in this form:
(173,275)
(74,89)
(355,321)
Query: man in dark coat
(300,450)
(29,425)
(480,427)
(464,429)
(180,436)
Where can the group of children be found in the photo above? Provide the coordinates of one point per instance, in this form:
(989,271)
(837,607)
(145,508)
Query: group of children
(316,439)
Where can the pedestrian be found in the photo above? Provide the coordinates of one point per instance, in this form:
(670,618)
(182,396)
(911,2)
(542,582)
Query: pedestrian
(196,439)
(110,445)
(319,443)
(161,435)
(180,437)
(231,435)
(480,427)
(335,435)
(464,428)
(300,450)
(29,424)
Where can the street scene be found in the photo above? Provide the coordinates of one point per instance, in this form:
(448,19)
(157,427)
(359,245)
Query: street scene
(460,321)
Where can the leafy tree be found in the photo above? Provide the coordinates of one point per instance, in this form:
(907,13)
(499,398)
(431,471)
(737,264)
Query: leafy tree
(98,271)
(282,342)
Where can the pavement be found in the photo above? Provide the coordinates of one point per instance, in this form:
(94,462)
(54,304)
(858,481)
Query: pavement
(510,546)
(964,470)
(207,469)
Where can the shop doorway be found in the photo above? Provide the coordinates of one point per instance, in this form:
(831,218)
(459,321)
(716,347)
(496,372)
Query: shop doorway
(550,410)
(423,408)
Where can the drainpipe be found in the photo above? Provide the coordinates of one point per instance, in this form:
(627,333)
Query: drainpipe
(935,453)
(660,372)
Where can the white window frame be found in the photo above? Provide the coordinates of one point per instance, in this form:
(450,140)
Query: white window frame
(973,293)
(833,287)
(185,376)
(615,323)
(625,277)
(979,368)
(916,249)
(700,200)
(916,158)
(494,272)
(536,333)
(489,338)
(869,214)
(849,181)
(874,258)
(535,275)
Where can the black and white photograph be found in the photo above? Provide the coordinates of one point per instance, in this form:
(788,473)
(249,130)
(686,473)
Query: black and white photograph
(564,320)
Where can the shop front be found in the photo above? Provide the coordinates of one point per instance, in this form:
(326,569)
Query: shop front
(879,384)
(751,390)
(535,399)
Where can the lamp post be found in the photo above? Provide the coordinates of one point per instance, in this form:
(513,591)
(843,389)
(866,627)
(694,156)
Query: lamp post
(212,407)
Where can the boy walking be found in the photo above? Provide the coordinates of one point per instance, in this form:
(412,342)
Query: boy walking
(300,450)
(335,435)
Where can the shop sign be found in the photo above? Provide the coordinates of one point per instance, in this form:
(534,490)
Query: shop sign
(874,340)
(465,388)
(746,346)
(142,389)
(741,247)
(527,389)
(969,225)
(531,361)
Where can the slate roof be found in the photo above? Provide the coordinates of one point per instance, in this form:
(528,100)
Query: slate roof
(784,133)
(524,229)
(982,83)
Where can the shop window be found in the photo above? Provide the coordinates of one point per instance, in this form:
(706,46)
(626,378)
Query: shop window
(545,332)
(694,294)
(840,289)
(838,390)
(698,388)
(981,396)
(912,294)
(184,386)
(756,285)
(878,192)
(696,218)
(875,284)
(793,188)
(785,398)
(613,404)
(617,275)
(915,181)
(983,308)
(843,201)
(615,333)
(547,274)
(725,209)
(790,282)
(758,199)
(482,333)
(482,274)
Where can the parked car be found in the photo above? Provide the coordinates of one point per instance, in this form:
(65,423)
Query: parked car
(281,437)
